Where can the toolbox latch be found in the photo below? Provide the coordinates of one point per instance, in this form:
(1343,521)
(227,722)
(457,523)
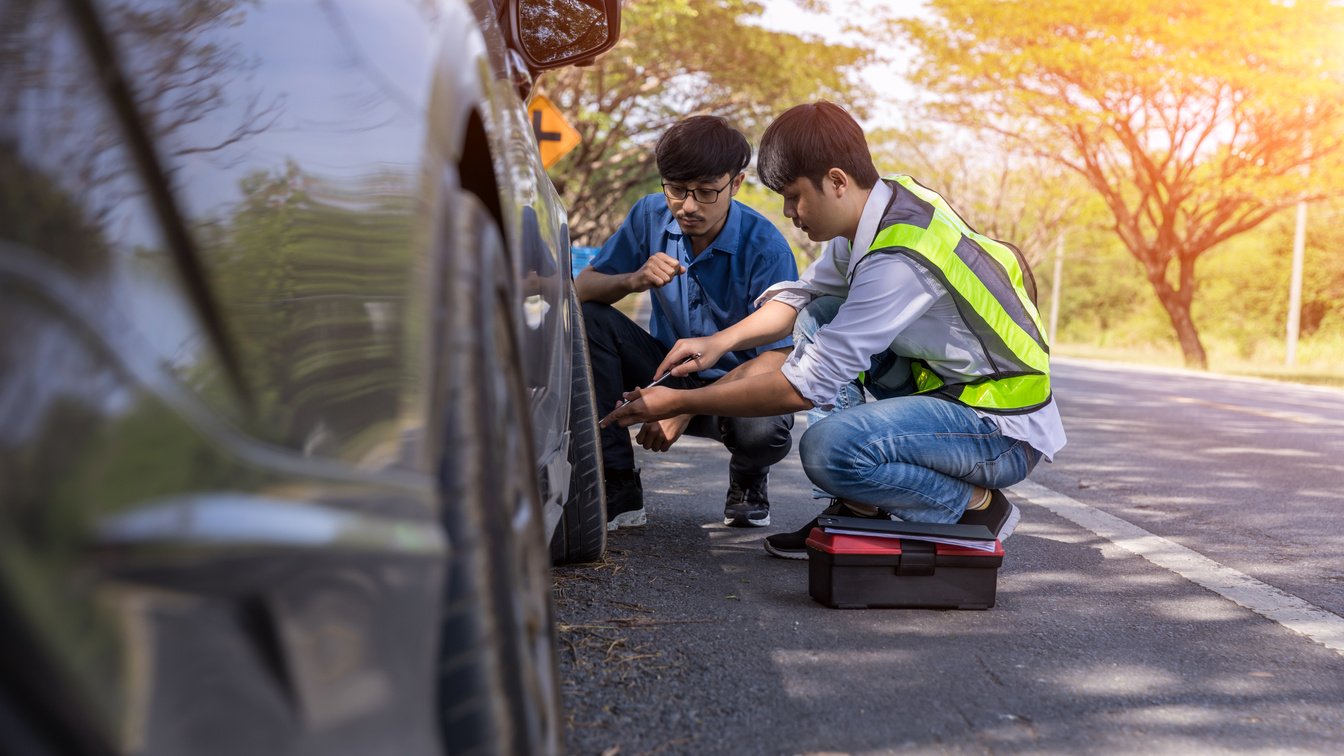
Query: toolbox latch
(917,558)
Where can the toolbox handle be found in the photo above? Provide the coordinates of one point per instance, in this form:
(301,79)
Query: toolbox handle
(917,558)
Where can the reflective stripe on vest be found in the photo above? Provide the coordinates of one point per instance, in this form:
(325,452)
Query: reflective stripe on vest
(1018,379)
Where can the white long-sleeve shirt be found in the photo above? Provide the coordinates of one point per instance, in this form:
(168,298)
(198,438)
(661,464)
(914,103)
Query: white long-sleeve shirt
(891,302)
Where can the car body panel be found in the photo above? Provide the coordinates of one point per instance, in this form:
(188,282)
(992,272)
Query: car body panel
(220,502)
(540,253)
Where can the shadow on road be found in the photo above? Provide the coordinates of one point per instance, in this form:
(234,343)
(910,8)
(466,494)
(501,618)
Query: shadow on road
(691,639)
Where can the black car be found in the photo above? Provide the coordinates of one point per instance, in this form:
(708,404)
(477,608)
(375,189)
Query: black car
(295,406)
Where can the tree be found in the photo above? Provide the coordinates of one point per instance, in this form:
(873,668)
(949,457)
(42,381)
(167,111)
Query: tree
(1193,120)
(755,195)
(1028,201)
(676,58)
(1252,277)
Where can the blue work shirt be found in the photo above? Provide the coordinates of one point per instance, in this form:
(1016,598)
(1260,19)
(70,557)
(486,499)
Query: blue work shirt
(720,285)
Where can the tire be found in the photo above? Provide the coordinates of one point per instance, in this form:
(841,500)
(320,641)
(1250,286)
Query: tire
(581,535)
(498,688)
(39,715)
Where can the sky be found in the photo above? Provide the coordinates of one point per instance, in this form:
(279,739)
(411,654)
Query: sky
(887,78)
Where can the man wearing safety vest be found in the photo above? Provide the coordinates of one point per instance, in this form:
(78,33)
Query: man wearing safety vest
(937,322)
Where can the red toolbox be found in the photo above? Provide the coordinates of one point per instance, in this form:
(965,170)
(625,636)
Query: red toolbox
(856,572)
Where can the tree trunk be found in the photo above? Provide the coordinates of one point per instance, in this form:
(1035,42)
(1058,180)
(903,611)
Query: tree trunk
(1177,305)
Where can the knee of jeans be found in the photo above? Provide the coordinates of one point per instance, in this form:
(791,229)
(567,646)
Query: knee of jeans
(764,442)
(805,325)
(818,449)
(811,318)
(1033,457)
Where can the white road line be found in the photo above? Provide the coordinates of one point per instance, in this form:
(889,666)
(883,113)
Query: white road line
(1290,611)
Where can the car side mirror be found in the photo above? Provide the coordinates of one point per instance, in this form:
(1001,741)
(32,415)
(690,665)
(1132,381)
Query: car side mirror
(555,33)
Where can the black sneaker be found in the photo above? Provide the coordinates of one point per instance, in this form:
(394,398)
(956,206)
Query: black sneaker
(794,545)
(747,505)
(625,499)
(790,545)
(1000,516)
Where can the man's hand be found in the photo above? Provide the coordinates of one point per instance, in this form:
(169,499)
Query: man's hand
(659,435)
(656,272)
(705,350)
(644,405)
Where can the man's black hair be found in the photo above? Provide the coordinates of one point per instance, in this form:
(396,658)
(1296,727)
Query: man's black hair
(702,148)
(808,140)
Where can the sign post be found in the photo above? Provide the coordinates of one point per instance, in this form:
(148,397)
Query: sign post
(555,137)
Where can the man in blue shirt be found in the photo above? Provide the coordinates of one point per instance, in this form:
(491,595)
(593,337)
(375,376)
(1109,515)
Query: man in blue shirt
(704,258)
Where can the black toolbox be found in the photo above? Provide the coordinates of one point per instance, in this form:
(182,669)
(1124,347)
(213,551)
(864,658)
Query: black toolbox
(849,571)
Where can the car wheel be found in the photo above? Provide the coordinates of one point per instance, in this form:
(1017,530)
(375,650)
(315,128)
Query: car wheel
(581,535)
(499,682)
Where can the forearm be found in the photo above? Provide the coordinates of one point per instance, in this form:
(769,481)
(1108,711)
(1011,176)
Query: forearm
(591,286)
(772,322)
(766,362)
(750,394)
(755,389)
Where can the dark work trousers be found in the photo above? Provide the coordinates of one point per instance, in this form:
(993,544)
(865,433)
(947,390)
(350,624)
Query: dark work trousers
(625,356)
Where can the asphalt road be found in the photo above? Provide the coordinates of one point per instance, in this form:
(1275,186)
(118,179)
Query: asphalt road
(1176,586)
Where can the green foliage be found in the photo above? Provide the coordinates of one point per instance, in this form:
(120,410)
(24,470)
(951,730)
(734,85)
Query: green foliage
(1243,300)
(1251,279)
(1103,296)
(1028,201)
(771,205)
(678,58)
(1191,120)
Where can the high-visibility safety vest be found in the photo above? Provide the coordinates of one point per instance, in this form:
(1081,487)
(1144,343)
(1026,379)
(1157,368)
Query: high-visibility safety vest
(995,294)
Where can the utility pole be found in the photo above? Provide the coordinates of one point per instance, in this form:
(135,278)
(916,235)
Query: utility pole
(1299,243)
(1295,285)
(1054,286)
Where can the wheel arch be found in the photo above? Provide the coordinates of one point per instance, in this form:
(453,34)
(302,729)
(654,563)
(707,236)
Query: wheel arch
(476,169)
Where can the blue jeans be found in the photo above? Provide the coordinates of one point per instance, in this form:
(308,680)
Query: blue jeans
(917,457)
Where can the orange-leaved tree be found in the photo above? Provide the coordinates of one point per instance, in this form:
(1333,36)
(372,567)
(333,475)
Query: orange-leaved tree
(1195,120)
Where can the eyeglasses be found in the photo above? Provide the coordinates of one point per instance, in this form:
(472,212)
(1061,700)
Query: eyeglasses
(702,195)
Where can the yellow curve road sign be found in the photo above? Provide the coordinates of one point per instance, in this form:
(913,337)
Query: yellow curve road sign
(555,137)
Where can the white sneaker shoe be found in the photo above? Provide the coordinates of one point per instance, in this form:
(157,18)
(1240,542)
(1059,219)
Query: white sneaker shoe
(635,518)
